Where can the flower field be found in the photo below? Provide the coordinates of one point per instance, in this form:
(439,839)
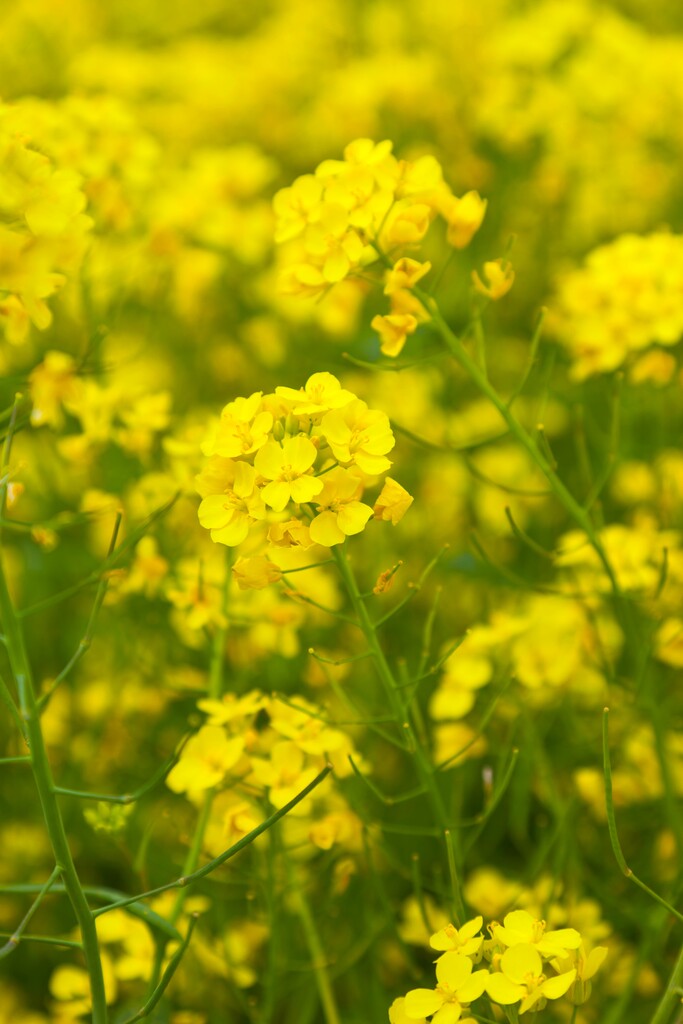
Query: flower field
(341,512)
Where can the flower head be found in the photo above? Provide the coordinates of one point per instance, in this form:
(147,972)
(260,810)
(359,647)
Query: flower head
(457,986)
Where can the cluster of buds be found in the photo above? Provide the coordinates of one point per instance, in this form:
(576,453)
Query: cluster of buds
(369,209)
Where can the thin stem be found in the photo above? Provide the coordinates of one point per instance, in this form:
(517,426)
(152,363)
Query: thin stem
(208,868)
(87,638)
(533,352)
(612,824)
(166,977)
(315,948)
(47,940)
(104,895)
(16,936)
(566,499)
(456,890)
(20,759)
(45,785)
(392,690)
(672,994)
(125,798)
(215,692)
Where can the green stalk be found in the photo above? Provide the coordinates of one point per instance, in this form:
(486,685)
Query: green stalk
(215,690)
(672,994)
(315,948)
(479,378)
(393,693)
(45,785)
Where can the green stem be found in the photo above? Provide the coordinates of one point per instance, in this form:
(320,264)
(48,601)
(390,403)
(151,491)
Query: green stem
(185,881)
(566,499)
(166,978)
(16,937)
(672,994)
(393,693)
(315,948)
(612,824)
(42,773)
(215,691)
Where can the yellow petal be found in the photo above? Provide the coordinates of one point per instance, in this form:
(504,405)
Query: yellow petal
(234,533)
(449,1013)
(473,987)
(453,969)
(421,1002)
(305,488)
(503,991)
(519,961)
(324,530)
(553,988)
(353,517)
(300,453)
(594,961)
(214,513)
(276,494)
(269,460)
(470,928)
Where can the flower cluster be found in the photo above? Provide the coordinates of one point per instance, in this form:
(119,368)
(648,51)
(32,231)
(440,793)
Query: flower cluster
(255,745)
(525,965)
(370,207)
(43,230)
(627,298)
(297,462)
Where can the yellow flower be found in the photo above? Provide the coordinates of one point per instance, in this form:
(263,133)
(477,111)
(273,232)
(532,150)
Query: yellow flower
(148,570)
(205,760)
(407,224)
(229,513)
(461,940)
(625,299)
(519,927)
(499,277)
(287,467)
(302,279)
(521,980)
(255,573)
(464,217)
(340,513)
(290,534)
(456,986)
(398,1015)
(334,245)
(587,965)
(404,274)
(393,331)
(293,206)
(393,502)
(230,707)
(284,773)
(243,428)
(52,384)
(359,436)
(321,393)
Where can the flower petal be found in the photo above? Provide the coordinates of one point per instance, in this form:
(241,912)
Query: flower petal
(453,970)
(553,988)
(473,987)
(353,517)
(277,494)
(324,530)
(422,1002)
(504,991)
